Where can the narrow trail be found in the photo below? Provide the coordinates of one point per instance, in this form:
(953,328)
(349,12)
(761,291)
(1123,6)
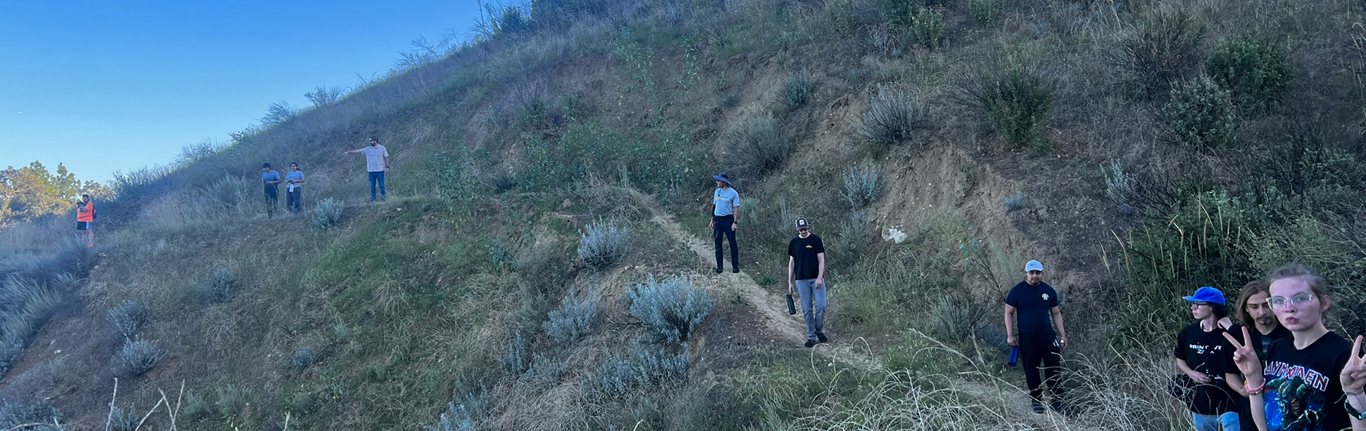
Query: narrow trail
(855,353)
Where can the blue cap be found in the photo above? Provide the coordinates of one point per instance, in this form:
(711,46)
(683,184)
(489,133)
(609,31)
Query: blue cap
(1207,294)
(1033,265)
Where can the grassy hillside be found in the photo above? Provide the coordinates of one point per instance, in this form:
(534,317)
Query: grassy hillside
(1140,149)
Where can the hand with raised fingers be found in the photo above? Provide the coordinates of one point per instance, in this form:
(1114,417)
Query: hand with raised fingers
(1246,358)
(1354,373)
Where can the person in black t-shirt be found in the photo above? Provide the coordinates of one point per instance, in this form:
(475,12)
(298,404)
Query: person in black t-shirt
(1252,311)
(1201,352)
(1034,304)
(1314,380)
(806,272)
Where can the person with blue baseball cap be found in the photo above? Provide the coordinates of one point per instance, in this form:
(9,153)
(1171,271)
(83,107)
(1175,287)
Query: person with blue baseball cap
(724,214)
(1203,354)
(1036,307)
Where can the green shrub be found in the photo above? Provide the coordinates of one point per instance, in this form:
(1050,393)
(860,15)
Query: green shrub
(984,11)
(758,148)
(304,358)
(562,14)
(219,286)
(1163,50)
(797,89)
(278,113)
(25,305)
(465,412)
(669,310)
(126,318)
(862,185)
(136,358)
(232,400)
(1017,100)
(196,407)
(11,346)
(1121,187)
(518,358)
(573,320)
(121,419)
(1256,72)
(14,413)
(324,95)
(927,26)
(1200,114)
(225,192)
(602,245)
(328,213)
(891,117)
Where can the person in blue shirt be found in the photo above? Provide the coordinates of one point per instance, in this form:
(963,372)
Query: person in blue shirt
(724,213)
(294,189)
(271,180)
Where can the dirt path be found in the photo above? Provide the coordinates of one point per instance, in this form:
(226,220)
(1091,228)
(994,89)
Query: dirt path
(772,309)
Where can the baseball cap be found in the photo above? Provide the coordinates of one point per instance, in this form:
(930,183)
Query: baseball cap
(802,224)
(1033,265)
(1207,294)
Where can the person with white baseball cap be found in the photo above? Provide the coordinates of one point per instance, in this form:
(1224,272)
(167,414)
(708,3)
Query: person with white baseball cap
(1039,336)
(806,273)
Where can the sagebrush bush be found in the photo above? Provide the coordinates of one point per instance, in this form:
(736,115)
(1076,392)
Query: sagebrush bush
(121,419)
(797,88)
(220,285)
(327,213)
(1257,73)
(545,369)
(928,27)
(304,358)
(1015,202)
(617,377)
(984,11)
(1018,101)
(196,407)
(136,358)
(670,310)
(232,399)
(602,245)
(1120,186)
(756,149)
(862,185)
(891,117)
(14,413)
(1164,50)
(573,320)
(126,318)
(518,358)
(1200,114)
(464,413)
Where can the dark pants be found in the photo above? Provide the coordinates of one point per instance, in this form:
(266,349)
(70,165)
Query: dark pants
(721,228)
(376,178)
(294,200)
(1036,347)
(272,199)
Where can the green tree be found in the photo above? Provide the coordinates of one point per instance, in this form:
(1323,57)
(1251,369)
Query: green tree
(32,191)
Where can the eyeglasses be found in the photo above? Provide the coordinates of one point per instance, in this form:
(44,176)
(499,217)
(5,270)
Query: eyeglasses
(1279,302)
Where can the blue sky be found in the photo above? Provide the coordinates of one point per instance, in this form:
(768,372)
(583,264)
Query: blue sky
(117,85)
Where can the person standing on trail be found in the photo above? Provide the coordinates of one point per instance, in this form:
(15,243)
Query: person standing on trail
(1035,304)
(294,188)
(271,180)
(85,220)
(1201,354)
(1314,380)
(806,273)
(376,163)
(724,214)
(1253,311)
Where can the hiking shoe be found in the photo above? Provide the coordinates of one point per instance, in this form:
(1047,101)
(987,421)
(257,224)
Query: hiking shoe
(719,270)
(1038,407)
(820,336)
(812,343)
(735,270)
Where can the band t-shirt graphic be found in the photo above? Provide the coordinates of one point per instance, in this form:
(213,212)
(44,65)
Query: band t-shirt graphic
(1302,392)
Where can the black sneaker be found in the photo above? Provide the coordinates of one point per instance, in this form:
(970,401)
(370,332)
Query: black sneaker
(820,336)
(735,270)
(1038,407)
(719,270)
(812,343)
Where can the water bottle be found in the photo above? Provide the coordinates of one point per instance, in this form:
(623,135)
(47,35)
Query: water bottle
(1014,356)
(791,306)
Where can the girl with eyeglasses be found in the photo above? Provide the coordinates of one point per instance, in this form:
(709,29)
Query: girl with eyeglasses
(1312,381)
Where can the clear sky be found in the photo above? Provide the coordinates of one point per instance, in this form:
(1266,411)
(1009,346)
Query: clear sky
(105,86)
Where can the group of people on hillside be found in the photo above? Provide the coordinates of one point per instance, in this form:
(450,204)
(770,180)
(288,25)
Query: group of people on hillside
(376,164)
(1280,370)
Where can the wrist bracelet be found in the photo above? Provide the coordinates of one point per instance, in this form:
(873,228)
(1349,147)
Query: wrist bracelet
(1359,415)
(1255,391)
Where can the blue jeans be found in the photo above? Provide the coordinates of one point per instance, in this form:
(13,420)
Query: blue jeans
(815,316)
(376,177)
(1229,421)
